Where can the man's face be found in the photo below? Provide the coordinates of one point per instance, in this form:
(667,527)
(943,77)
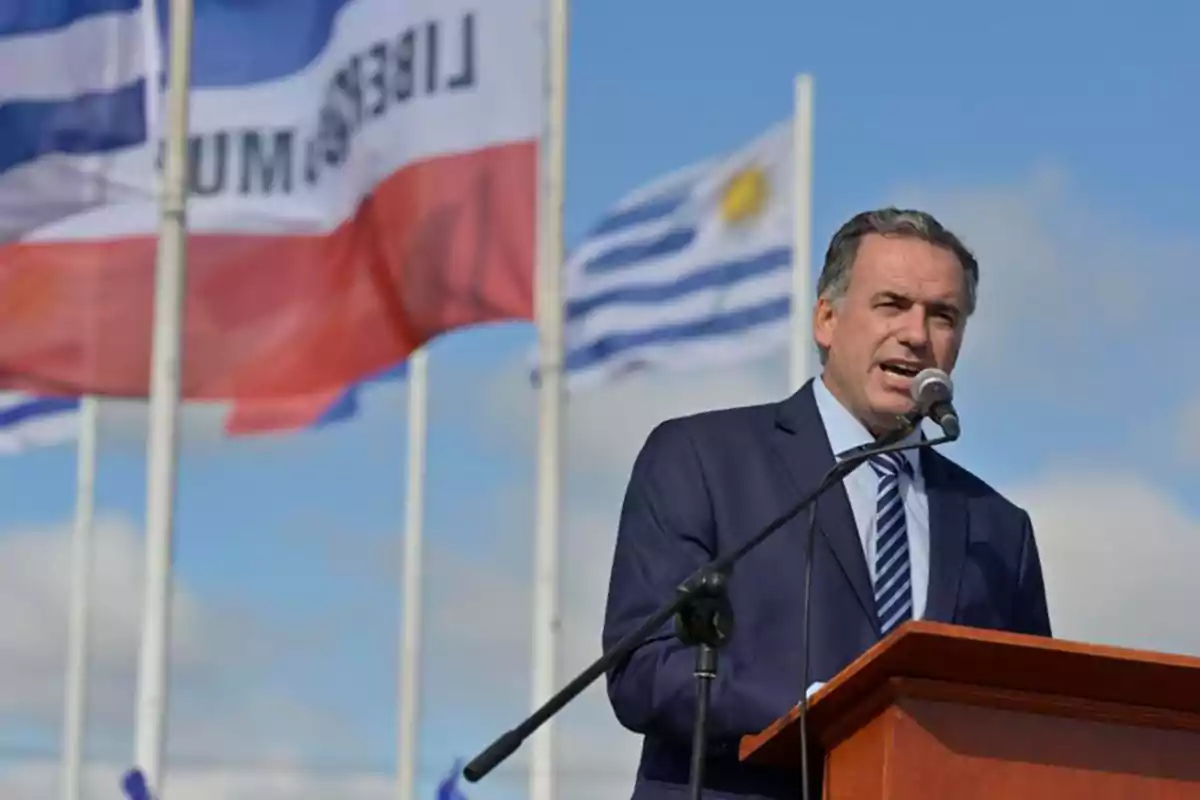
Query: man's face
(903,311)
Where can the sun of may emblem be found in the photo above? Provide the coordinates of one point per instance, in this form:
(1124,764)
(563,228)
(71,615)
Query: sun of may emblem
(745,195)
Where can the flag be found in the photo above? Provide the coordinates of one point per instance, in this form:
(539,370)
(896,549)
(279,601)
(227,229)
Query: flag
(448,787)
(133,784)
(72,91)
(305,412)
(28,422)
(363,178)
(690,270)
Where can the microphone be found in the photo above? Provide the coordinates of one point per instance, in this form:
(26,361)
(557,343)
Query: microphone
(932,391)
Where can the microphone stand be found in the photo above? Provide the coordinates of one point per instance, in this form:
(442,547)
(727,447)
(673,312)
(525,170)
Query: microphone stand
(886,443)
(704,617)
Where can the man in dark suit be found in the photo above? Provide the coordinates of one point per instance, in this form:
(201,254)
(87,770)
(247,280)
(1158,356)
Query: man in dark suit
(914,536)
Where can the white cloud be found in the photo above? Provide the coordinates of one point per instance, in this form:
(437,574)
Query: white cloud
(1074,298)
(34,595)
(606,425)
(224,709)
(476,647)
(124,423)
(222,712)
(480,637)
(223,699)
(1118,555)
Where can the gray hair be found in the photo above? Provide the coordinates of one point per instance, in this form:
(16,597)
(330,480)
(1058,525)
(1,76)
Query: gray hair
(843,249)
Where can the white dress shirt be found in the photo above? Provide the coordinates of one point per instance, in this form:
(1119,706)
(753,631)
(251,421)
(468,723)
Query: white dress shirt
(862,487)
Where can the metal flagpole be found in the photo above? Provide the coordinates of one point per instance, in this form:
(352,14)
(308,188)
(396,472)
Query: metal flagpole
(414,520)
(75,714)
(74,731)
(550,396)
(802,169)
(163,445)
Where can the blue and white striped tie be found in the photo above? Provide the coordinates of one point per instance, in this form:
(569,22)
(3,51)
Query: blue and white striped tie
(893,584)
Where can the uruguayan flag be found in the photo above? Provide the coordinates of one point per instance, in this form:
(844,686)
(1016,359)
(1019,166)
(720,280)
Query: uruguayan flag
(28,422)
(691,270)
(73,93)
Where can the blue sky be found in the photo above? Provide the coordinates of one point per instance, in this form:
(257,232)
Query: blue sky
(1062,137)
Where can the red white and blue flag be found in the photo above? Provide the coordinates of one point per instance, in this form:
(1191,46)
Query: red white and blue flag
(363,178)
(305,412)
(30,422)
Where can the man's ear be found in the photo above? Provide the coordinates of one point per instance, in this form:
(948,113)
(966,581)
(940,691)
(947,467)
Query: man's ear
(824,323)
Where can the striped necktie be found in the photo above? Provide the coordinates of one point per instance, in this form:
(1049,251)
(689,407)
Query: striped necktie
(893,585)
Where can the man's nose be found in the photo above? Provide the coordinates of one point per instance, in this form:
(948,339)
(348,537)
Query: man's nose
(914,328)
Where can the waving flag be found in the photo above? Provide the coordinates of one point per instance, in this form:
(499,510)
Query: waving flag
(689,270)
(28,422)
(133,784)
(307,412)
(363,178)
(448,787)
(72,92)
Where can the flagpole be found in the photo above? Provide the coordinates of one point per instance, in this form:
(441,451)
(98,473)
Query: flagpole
(75,713)
(802,169)
(410,606)
(163,444)
(550,396)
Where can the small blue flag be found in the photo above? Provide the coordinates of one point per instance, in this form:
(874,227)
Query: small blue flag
(134,784)
(448,788)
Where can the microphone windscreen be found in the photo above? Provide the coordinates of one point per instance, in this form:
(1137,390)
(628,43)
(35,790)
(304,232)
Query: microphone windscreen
(931,386)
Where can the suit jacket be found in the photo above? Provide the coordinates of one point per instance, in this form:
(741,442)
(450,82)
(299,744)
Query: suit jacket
(706,483)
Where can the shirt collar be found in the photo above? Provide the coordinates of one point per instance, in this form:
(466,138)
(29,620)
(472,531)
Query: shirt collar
(845,431)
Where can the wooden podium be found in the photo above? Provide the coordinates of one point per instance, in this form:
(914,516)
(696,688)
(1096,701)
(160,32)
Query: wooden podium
(940,711)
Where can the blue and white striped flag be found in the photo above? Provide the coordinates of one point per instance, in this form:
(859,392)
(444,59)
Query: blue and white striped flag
(691,270)
(28,422)
(73,92)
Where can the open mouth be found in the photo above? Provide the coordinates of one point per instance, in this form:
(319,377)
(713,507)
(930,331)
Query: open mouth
(903,369)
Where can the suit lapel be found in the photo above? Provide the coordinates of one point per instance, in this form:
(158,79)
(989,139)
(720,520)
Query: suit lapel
(800,441)
(947,537)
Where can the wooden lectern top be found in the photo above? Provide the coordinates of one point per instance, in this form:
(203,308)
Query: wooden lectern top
(971,666)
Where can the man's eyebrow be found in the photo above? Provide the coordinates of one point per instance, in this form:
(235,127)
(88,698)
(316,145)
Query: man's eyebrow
(934,305)
(945,305)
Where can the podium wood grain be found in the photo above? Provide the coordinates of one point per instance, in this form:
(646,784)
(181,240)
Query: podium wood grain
(941,711)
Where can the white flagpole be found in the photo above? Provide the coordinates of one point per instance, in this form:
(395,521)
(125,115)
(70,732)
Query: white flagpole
(550,396)
(75,714)
(802,169)
(414,520)
(163,445)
